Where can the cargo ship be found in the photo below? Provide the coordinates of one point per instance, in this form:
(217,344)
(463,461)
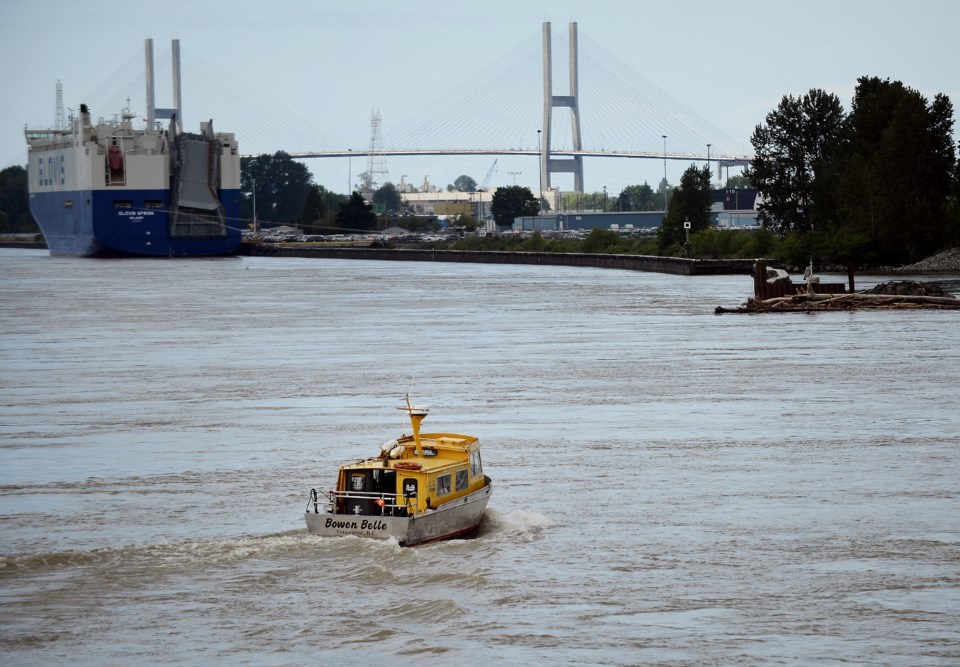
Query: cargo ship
(107,188)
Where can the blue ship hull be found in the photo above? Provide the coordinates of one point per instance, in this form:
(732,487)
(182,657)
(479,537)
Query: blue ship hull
(89,223)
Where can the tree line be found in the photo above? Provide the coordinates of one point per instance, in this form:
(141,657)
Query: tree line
(877,185)
(15,217)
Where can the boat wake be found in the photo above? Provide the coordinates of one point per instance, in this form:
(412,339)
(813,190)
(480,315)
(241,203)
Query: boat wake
(515,526)
(167,555)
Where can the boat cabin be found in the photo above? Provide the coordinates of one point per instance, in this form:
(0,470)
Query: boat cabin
(413,474)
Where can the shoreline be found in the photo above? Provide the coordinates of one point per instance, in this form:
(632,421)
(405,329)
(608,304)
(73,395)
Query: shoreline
(945,263)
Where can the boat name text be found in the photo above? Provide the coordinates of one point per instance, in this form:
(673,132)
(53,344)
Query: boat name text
(355,525)
(135,215)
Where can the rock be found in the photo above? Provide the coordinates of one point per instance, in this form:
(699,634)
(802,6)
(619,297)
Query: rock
(907,288)
(775,276)
(947,262)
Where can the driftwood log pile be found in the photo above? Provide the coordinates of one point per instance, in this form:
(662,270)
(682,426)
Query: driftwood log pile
(799,303)
(791,298)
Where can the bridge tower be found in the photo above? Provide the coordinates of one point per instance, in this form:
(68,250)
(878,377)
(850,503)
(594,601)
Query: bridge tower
(175,112)
(549,165)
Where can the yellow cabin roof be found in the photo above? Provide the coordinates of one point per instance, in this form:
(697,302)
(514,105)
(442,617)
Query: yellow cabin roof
(440,451)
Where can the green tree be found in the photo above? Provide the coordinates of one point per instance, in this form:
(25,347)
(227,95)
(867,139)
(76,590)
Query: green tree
(316,212)
(356,214)
(601,241)
(464,184)
(793,164)
(953,206)
(583,201)
(636,198)
(388,197)
(896,176)
(512,202)
(662,196)
(282,186)
(688,202)
(738,181)
(14,202)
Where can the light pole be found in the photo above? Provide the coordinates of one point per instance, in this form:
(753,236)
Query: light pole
(515,174)
(708,163)
(666,202)
(256,230)
(540,169)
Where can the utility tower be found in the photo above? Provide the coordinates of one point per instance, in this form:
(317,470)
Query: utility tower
(60,121)
(377,173)
(549,165)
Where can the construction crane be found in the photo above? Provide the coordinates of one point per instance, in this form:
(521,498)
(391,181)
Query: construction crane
(486,179)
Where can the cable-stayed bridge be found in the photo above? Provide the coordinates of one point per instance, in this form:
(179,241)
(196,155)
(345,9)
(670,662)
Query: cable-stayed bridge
(562,97)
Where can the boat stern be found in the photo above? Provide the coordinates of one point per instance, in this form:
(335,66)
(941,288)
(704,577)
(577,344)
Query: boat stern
(340,525)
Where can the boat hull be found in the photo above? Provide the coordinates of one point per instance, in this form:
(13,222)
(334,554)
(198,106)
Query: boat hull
(458,517)
(88,223)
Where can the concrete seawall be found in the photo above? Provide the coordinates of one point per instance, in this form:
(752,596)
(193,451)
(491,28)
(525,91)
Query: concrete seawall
(23,244)
(674,265)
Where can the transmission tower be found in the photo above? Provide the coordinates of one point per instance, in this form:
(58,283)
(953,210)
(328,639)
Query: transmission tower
(60,121)
(549,165)
(377,173)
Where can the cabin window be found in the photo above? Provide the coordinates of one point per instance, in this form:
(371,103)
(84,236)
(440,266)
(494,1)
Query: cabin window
(462,480)
(68,203)
(122,203)
(443,485)
(429,451)
(152,203)
(476,467)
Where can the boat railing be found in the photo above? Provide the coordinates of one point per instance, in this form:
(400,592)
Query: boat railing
(389,501)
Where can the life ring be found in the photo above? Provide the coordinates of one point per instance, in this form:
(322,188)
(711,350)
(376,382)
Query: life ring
(407,465)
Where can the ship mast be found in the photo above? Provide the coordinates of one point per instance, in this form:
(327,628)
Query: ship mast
(417,415)
(60,120)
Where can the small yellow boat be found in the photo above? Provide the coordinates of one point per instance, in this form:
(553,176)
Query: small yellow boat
(421,488)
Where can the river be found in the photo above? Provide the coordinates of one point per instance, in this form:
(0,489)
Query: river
(671,487)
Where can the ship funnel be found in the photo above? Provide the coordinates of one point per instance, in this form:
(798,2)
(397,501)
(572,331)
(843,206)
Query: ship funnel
(85,129)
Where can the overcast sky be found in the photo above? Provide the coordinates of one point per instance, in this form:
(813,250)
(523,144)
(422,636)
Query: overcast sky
(334,62)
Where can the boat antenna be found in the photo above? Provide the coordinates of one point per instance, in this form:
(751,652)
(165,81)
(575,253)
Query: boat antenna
(413,378)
